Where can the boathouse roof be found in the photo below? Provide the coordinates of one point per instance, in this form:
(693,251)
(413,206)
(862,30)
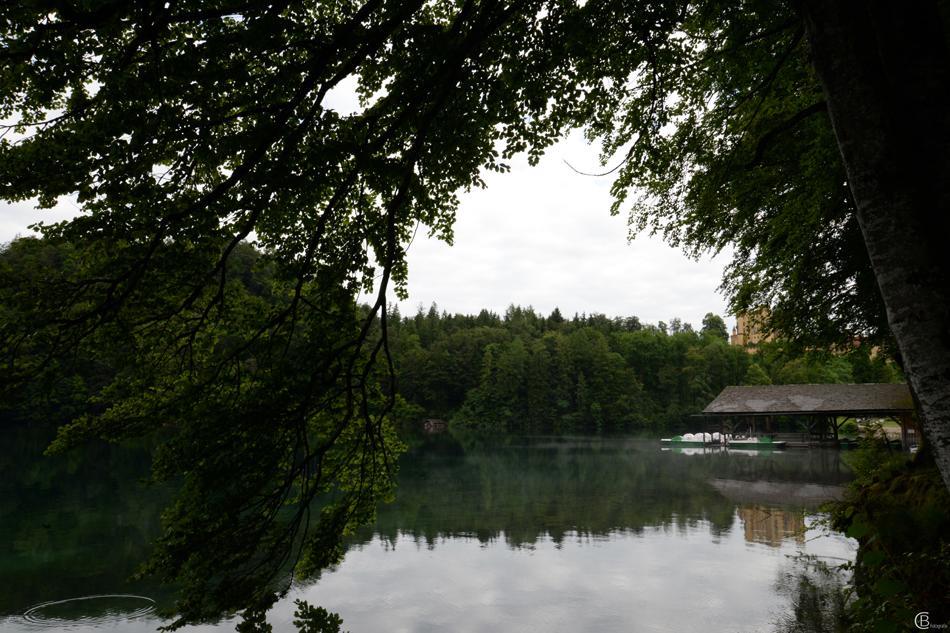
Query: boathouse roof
(853,400)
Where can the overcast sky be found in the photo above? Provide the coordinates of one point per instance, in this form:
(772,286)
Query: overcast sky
(540,236)
(543,236)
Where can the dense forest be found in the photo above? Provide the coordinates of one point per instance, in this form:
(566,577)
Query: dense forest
(523,371)
(517,372)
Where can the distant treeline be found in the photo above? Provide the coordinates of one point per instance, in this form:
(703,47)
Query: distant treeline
(518,372)
(525,372)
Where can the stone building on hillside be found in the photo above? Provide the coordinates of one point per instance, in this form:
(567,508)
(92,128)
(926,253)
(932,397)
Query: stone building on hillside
(750,329)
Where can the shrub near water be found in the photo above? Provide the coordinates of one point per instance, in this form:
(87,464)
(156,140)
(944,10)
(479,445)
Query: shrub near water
(899,511)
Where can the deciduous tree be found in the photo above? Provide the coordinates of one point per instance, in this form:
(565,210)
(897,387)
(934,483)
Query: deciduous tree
(185,128)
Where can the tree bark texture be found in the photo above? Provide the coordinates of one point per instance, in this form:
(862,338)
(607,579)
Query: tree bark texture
(885,70)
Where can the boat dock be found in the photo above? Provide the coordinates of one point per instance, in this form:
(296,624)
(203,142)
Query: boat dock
(817,412)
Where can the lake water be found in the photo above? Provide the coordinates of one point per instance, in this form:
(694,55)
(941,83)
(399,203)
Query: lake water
(531,534)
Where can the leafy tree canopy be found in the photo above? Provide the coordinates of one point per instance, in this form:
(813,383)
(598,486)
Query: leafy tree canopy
(715,327)
(185,128)
(210,123)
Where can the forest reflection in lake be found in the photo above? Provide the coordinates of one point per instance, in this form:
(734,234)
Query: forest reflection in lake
(527,534)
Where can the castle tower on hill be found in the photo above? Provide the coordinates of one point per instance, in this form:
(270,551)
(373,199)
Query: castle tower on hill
(750,329)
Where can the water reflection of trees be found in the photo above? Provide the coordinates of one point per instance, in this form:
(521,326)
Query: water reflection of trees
(77,525)
(72,524)
(586,487)
(818,594)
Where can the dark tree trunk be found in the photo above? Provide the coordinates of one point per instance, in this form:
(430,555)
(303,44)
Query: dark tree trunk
(885,72)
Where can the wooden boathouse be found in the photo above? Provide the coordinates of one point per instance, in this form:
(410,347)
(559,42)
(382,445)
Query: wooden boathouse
(820,410)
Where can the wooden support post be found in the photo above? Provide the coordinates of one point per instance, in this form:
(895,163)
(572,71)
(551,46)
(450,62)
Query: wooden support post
(905,440)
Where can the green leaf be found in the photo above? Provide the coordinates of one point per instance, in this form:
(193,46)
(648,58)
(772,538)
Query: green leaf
(873,559)
(858,529)
(889,587)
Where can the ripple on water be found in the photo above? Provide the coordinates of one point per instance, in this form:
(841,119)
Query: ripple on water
(89,611)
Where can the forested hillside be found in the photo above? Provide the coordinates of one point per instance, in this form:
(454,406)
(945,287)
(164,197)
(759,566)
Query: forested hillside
(518,372)
(523,371)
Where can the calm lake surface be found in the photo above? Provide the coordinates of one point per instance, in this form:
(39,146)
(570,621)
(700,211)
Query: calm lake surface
(532,534)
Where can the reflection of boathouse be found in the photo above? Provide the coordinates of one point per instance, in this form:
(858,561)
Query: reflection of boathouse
(771,526)
(773,511)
